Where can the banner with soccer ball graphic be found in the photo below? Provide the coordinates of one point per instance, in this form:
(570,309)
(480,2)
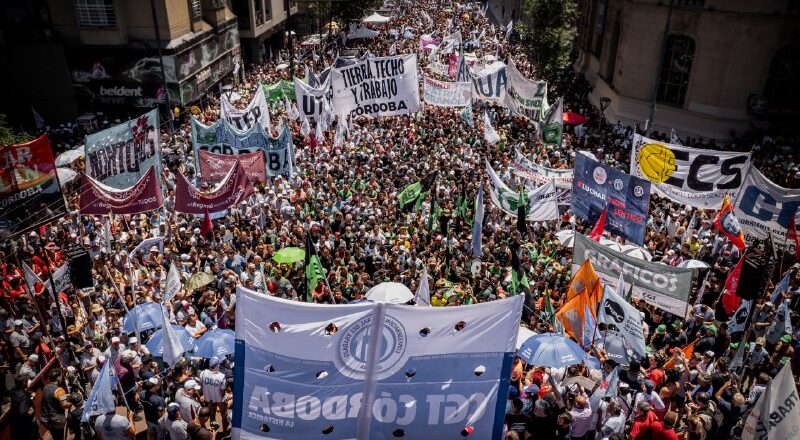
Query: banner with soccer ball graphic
(371,370)
(691,176)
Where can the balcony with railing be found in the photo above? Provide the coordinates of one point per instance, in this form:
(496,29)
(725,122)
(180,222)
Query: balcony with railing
(95,13)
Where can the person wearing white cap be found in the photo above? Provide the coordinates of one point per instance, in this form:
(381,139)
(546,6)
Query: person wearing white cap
(213,382)
(187,398)
(116,347)
(20,341)
(30,368)
(173,423)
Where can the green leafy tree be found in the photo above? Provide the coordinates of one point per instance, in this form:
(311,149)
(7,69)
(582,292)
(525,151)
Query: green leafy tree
(7,135)
(547,33)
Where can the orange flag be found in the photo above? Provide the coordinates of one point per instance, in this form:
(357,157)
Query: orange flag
(586,279)
(688,351)
(572,315)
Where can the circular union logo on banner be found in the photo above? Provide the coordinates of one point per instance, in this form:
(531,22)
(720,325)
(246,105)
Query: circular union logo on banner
(599,175)
(353,343)
(656,162)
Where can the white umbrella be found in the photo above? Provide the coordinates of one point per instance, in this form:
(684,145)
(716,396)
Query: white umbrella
(636,252)
(693,264)
(523,334)
(390,293)
(281,66)
(611,244)
(566,237)
(67,157)
(66,175)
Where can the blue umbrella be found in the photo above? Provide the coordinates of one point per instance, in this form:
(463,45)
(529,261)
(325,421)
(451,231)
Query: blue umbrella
(156,342)
(551,350)
(216,342)
(148,314)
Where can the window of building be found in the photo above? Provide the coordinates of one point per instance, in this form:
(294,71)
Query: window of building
(599,28)
(285,5)
(95,13)
(611,62)
(196,9)
(242,12)
(783,81)
(676,67)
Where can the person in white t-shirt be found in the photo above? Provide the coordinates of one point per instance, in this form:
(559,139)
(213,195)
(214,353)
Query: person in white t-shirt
(213,382)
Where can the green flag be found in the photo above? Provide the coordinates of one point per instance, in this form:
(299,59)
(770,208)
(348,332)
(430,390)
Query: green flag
(518,277)
(314,271)
(413,195)
(553,124)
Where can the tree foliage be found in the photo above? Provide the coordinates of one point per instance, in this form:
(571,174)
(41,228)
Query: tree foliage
(7,135)
(547,33)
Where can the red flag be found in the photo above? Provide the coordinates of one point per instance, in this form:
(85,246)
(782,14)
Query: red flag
(791,234)
(730,301)
(599,227)
(727,223)
(207,226)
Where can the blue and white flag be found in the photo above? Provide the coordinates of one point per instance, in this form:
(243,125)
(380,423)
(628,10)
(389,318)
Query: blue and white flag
(588,327)
(781,325)
(423,296)
(466,114)
(462,74)
(369,369)
(477,223)
(782,286)
(702,290)
(509,29)
(147,243)
(101,399)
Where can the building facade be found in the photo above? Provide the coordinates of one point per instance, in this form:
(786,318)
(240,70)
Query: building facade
(727,65)
(261,25)
(106,53)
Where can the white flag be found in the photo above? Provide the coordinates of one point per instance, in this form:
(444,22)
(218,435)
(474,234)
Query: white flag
(776,415)
(738,320)
(615,310)
(31,279)
(621,285)
(509,29)
(172,285)
(423,296)
(305,127)
(173,349)
(673,137)
(318,132)
(393,49)
(489,133)
(146,244)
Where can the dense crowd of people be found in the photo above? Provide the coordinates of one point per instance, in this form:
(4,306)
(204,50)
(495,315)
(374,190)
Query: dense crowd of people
(345,197)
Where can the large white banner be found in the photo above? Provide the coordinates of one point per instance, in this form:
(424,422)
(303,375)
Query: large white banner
(371,370)
(446,94)
(529,170)
(490,83)
(776,414)
(691,176)
(311,100)
(257,111)
(385,86)
(542,201)
(525,97)
(765,208)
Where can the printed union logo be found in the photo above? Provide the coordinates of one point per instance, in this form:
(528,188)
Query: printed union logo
(599,176)
(354,343)
(656,162)
(638,191)
(618,184)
